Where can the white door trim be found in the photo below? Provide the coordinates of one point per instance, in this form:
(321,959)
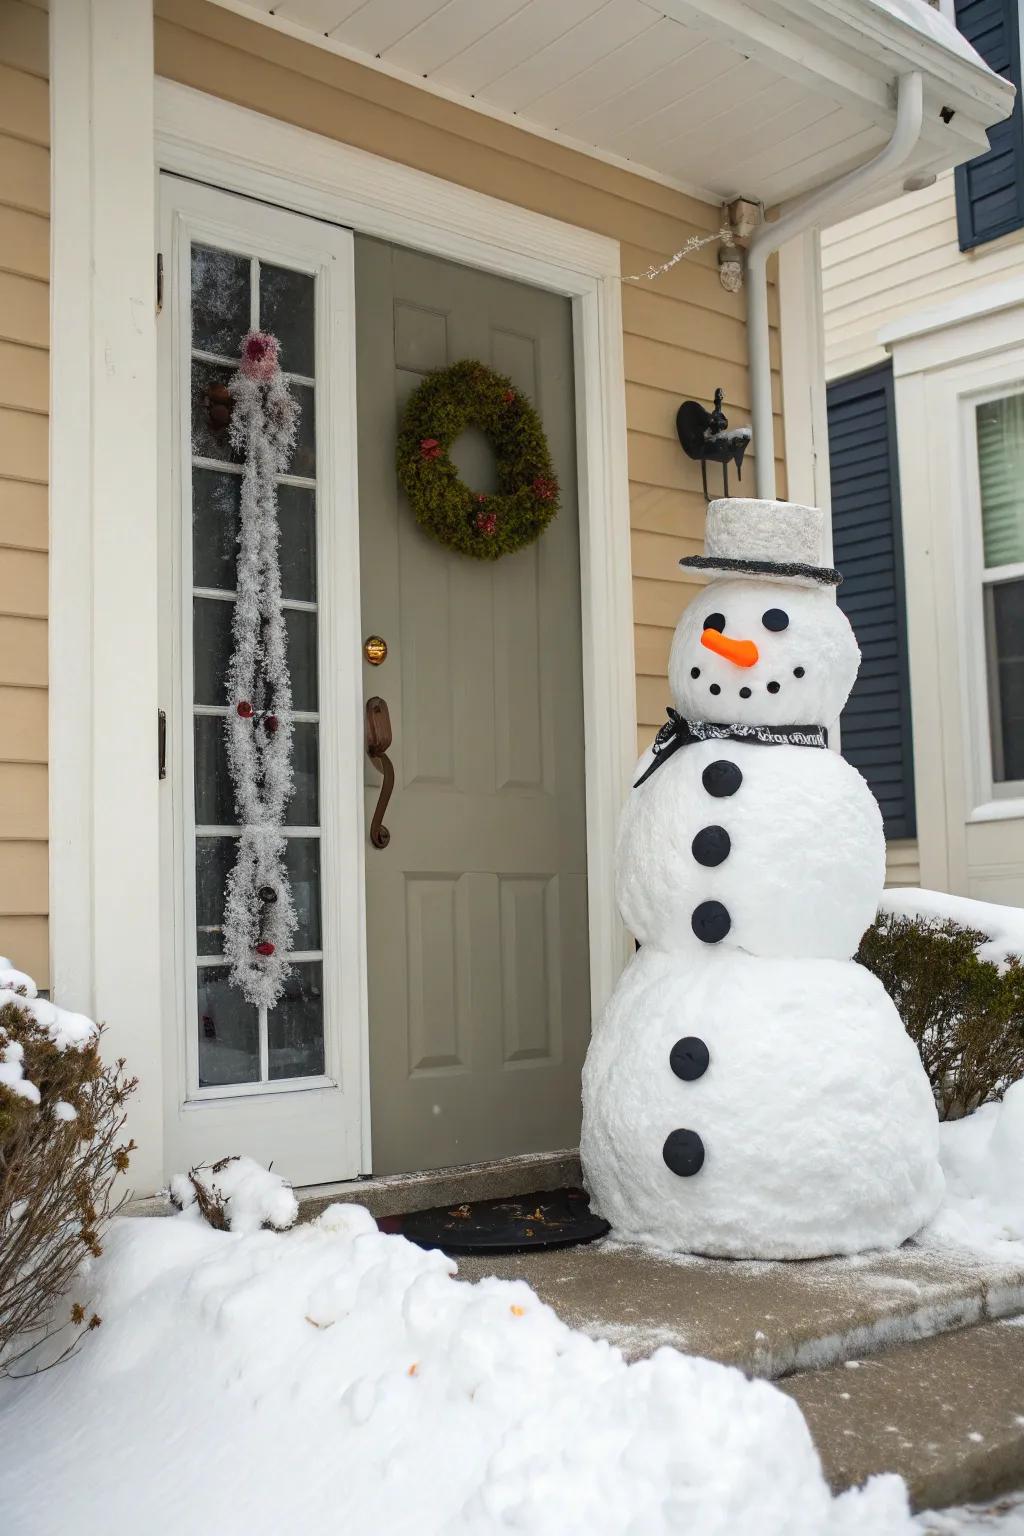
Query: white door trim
(104,805)
(229,146)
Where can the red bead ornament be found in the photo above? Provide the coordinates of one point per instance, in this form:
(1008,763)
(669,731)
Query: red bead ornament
(270,724)
(264,949)
(430,448)
(245,709)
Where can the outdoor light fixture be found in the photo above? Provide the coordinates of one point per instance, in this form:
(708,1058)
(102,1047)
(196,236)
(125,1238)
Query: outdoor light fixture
(705,436)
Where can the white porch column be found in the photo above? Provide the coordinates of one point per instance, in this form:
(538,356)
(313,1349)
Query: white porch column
(104,876)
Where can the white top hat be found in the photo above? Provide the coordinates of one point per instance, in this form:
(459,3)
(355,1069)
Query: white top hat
(779,539)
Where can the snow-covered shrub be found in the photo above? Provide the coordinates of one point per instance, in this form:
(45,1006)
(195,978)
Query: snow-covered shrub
(237,1194)
(61,1115)
(965,1014)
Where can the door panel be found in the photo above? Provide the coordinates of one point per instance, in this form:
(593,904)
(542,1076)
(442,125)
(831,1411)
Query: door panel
(477,940)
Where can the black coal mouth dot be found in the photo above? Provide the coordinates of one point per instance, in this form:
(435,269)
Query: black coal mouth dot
(714,688)
(774,687)
(798,671)
(745,693)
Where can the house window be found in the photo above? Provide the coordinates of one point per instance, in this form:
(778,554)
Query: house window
(990,188)
(999,425)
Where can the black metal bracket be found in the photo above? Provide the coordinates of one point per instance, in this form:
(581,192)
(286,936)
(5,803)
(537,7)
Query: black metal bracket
(704,435)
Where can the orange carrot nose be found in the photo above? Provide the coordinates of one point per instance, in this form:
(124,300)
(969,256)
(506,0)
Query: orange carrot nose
(743,652)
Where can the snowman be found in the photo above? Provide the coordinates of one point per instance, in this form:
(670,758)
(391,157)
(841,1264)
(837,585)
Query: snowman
(750,1091)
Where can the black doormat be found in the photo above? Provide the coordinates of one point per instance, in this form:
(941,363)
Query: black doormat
(551,1218)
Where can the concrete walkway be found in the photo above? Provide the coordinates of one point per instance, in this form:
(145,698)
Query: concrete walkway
(768,1319)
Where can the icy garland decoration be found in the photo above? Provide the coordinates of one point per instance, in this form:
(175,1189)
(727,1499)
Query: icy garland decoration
(259,913)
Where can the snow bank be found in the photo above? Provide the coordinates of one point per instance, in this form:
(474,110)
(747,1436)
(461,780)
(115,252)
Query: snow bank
(334,1379)
(983,1159)
(1003,926)
(68,1031)
(247,1195)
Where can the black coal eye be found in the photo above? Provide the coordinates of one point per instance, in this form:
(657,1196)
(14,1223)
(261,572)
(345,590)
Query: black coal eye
(775,619)
(715,621)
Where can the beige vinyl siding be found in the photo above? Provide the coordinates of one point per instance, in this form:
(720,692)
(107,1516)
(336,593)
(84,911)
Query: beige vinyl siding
(24,452)
(902,862)
(683,334)
(897,260)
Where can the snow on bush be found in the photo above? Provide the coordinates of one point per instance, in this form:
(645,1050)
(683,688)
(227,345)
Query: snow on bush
(237,1195)
(958,989)
(334,1379)
(61,1113)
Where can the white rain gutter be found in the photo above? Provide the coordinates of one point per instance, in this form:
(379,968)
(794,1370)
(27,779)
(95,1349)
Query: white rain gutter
(795,219)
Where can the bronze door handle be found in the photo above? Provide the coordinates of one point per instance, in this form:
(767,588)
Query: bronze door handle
(378,741)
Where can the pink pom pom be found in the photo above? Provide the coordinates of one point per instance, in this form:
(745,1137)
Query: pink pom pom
(259,356)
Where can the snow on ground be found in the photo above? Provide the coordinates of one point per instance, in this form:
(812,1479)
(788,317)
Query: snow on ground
(248,1195)
(332,1378)
(1003,926)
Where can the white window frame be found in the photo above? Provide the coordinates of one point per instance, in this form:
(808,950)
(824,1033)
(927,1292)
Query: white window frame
(989,799)
(326,1134)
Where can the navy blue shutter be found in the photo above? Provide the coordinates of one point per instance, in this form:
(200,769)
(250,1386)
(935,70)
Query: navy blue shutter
(990,188)
(867,544)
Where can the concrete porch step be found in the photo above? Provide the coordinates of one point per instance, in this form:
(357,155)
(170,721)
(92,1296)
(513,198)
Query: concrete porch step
(947,1413)
(398,1194)
(768,1319)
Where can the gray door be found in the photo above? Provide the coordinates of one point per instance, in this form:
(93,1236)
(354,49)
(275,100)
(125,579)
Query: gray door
(477,910)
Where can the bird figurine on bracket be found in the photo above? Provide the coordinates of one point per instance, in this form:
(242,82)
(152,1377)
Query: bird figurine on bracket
(705,435)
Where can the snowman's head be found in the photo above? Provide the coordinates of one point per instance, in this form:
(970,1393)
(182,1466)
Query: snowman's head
(763,652)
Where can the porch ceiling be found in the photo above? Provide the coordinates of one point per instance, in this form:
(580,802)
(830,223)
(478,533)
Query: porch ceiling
(765,98)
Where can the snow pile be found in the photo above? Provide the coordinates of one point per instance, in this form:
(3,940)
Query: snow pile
(1003,926)
(334,1379)
(1005,1517)
(983,1160)
(12,980)
(238,1194)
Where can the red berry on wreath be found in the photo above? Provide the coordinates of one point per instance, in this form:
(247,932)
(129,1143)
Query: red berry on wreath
(544,488)
(510,396)
(244,709)
(264,949)
(430,448)
(270,724)
(486,523)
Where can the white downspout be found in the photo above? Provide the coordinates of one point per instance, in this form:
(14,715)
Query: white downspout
(797,217)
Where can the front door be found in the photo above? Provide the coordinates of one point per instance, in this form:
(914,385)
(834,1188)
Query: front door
(477,941)
(284,1084)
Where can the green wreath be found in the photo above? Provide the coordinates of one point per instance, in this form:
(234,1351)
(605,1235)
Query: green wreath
(447,402)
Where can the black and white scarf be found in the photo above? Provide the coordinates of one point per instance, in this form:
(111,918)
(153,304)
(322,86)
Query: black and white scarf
(677,732)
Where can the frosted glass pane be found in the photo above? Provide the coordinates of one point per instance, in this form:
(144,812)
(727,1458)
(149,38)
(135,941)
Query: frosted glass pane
(215,516)
(1000,427)
(295,1028)
(220,300)
(208,441)
(215,794)
(215,858)
(229,1032)
(287,311)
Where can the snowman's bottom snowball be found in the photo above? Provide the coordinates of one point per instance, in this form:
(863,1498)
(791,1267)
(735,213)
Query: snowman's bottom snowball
(817,1119)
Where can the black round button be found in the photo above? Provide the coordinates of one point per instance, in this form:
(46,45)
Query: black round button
(721,778)
(710,922)
(684,1153)
(689,1058)
(711,846)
